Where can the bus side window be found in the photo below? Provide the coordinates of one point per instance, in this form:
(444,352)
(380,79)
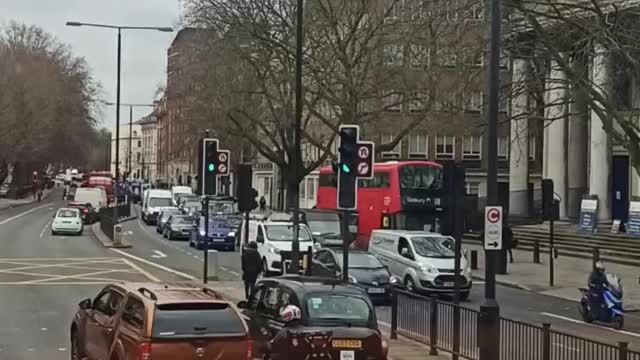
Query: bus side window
(327,180)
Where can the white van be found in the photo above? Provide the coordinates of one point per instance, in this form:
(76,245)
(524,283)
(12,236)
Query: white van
(95,196)
(275,241)
(154,202)
(423,260)
(175,190)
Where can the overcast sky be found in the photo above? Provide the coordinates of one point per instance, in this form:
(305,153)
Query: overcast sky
(144,53)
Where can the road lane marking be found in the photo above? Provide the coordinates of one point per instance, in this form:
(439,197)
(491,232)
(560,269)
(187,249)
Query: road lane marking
(146,273)
(45,228)
(158,254)
(586,324)
(161,267)
(23,214)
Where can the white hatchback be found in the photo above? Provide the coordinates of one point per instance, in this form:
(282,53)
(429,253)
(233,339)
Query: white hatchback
(67,221)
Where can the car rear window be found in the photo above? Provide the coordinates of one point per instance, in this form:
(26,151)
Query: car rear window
(196,319)
(67,214)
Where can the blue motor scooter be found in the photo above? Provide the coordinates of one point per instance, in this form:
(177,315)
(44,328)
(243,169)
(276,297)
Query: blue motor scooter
(610,310)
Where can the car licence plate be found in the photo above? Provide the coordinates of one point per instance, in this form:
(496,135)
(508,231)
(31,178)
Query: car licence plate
(375,291)
(346,343)
(347,355)
(218,240)
(448,284)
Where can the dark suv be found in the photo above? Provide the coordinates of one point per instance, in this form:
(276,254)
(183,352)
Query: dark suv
(160,322)
(338,320)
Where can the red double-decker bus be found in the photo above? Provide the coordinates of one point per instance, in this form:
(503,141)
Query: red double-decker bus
(402,195)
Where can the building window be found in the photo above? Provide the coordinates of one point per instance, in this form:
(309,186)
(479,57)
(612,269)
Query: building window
(476,12)
(447,101)
(505,60)
(393,55)
(395,152)
(447,57)
(392,100)
(473,188)
(417,9)
(395,10)
(472,148)
(445,147)
(532,148)
(139,143)
(418,146)
(311,188)
(419,55)
(503,148)
(416,103)
(452,10)
(475,102)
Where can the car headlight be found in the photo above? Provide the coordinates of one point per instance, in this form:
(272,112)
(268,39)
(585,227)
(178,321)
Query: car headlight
(394,280)
(201,232)
(428,269)
(231,233)
(274,250)
(352,279)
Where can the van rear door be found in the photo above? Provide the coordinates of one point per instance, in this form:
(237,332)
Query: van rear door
(199,330)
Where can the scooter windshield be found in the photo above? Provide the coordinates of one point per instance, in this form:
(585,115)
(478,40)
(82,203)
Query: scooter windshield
(615,282)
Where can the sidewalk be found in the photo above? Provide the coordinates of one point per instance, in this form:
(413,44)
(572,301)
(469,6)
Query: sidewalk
(570,274)
(400,349)
(12,203)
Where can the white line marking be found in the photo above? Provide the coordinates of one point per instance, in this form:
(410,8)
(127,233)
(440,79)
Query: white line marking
(23,214)
(584,323)
(161,267)
(62,349)
(43,329)
(146,273)
(45,228)
(384,323)
(233,272)
(223,268)
(158,254)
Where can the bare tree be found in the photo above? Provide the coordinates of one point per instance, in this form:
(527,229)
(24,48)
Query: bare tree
(46,99)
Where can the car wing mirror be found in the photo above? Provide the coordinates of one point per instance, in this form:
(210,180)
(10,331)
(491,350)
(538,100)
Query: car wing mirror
(85,304)
(242,304)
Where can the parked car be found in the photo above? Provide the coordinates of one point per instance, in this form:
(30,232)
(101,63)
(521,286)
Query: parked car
(88,213)
(178,227)
(221,236)
(338,320)
(365,270)
(164,216)
(67,221)
(159,321)
(4,189)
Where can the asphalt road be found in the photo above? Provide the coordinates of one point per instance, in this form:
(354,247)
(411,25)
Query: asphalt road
(515,304)
(43,277)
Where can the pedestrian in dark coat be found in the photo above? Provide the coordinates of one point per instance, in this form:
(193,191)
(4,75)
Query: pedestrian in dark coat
(507,241)
(250,267)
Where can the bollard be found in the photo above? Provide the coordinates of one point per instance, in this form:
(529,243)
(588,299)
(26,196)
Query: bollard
(394,314)
(212,265)
(117,235)
(596,256)
(623,349)
(474,259)
(546,341)
(433,325)
(536,252)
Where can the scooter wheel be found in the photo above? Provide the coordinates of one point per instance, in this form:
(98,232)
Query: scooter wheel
(619,324)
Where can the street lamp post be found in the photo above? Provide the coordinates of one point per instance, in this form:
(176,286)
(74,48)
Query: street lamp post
(119,28)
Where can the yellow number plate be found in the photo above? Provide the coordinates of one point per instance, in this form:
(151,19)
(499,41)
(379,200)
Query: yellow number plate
(345,343)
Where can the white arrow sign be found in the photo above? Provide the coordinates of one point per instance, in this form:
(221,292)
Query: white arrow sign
(158,254)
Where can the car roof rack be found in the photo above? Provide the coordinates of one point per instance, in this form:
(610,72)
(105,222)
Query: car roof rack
(144,291)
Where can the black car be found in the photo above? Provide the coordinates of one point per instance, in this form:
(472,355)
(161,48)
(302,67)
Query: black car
(365,271)
(178,227)
(325,226)
(338,320)
(88,213)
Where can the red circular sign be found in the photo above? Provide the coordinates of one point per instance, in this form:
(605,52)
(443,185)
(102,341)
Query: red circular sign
(493,215)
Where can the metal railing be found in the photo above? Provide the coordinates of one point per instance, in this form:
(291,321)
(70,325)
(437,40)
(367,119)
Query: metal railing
(433,322)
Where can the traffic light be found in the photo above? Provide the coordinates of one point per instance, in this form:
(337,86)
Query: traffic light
(355,161)
(212,163)
(245,193)
(550,206)
(348,156)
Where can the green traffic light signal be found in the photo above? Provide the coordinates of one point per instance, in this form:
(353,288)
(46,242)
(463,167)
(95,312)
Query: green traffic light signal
(345,169)
(211,167)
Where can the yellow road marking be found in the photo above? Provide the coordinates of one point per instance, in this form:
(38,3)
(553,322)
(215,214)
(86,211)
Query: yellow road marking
(144,272)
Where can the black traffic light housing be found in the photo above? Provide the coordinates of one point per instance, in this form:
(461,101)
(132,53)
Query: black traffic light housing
(355,161)
(550,206)
(246,194)
(213,163)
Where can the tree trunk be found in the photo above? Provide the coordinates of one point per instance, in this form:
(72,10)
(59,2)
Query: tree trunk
(292,189)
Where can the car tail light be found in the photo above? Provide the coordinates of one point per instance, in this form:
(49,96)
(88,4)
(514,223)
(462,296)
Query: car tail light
(85,210)
(385,348)
(144,351)
(250,346)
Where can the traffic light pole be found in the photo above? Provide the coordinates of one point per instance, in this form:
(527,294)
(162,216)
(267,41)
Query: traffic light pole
(345,245)
(205,269)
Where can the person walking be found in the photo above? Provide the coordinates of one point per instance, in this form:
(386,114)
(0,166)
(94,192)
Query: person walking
(250,267)
(507,241)
(263,204)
